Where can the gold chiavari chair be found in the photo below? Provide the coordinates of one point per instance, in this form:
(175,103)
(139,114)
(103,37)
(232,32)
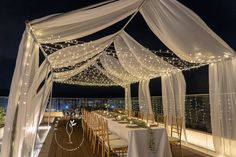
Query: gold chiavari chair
(117,146)
(165,121)
(99,139)
(176,131)
(150,118)
(162,120)
(141,115)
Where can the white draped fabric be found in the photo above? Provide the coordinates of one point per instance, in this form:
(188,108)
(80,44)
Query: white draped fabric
(72,55)
(145,105)
(80,23)
(145,57)
(173,94)
(222,83)
(70,73)
(110,76)
(128,102)
(23,113)
(18,92)
(39,103)
(173,97)
(113,66)
(21,124)
(183,32)
(129,62)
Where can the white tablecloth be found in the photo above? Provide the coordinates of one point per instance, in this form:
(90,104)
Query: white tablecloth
(138,139)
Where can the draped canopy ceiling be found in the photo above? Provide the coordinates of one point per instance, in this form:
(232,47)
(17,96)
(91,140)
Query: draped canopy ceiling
(117,59)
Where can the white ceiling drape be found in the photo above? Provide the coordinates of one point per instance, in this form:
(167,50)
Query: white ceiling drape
(72,55)
(110,76)
(39,102)
(145,57)
(70,73)
(113,66)
(183,32)
(80,23)
(176,26)
(129,62)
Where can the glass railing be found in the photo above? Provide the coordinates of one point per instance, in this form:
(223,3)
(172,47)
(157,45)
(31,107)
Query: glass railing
(197,107)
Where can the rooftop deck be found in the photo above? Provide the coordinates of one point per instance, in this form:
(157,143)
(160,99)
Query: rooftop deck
(85,149)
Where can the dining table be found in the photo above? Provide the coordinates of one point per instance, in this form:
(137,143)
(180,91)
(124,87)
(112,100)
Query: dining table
(142,142)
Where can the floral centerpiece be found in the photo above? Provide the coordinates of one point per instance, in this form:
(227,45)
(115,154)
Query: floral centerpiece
(2,114)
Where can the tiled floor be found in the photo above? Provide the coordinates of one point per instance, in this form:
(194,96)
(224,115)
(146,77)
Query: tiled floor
(85,150)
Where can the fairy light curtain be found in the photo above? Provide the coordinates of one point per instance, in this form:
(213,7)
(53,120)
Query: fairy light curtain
(112,77)
(18,92)
(128,61)
(132,56)
(71,55)
(128,101)
(222,88)
(144,57)
(113,66)
(65,75)
(91,77)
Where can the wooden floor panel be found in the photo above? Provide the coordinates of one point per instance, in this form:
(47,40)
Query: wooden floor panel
(86,151)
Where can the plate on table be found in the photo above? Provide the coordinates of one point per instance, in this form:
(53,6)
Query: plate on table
(115,119)
(132,126)
(123,122)
(109,116)
(153,125)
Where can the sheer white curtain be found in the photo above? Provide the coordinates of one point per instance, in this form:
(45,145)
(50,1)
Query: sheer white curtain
(112,77)
(222,88)
(64,75)
(183,32)
(145,57)
(21,80)
(128,101)
(80,23)
(72,55)
(130,63)
(39,102)
(173,96)
(113,66)
(145,104)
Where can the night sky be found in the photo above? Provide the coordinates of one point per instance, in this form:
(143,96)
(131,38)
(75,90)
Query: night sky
(220,16)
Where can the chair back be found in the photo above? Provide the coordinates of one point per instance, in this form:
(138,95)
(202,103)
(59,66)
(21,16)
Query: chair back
(141,115)
(176,126)
(150,118)
(105,131)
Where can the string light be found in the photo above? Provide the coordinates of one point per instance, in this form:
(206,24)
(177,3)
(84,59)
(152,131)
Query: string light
(68,56)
